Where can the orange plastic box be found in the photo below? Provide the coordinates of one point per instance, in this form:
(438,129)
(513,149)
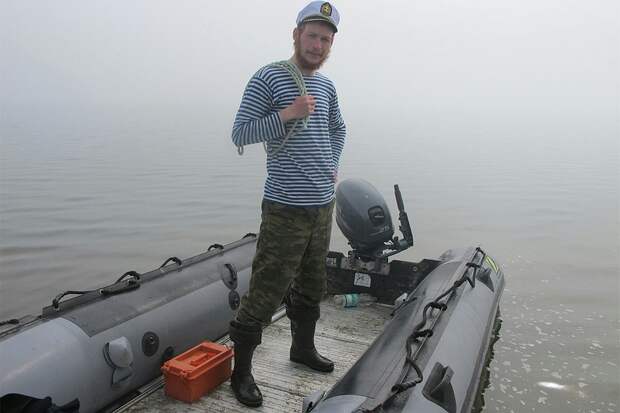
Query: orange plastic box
(191,375)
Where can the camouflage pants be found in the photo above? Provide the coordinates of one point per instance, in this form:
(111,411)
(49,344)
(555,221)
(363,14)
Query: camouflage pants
(290,259)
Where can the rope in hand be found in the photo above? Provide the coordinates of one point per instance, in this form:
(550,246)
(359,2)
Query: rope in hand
(298,77)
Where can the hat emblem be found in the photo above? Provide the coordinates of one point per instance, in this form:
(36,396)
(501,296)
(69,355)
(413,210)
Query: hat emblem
(326,9)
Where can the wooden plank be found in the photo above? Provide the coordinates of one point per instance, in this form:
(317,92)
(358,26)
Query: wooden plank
(342,335)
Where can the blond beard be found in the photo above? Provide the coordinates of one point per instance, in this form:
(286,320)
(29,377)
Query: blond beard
(305,64)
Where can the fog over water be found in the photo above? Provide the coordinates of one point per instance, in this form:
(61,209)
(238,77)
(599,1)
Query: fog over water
(500,121)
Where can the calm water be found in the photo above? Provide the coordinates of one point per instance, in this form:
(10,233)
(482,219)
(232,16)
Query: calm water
(86,198)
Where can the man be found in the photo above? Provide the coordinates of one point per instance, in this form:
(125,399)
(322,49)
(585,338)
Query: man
(302,166)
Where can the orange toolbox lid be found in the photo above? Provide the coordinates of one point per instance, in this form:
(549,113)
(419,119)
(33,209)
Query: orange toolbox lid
(198,360)
(197,371)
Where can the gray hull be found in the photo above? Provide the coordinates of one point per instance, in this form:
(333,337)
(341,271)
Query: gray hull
(450,360)
(100,347)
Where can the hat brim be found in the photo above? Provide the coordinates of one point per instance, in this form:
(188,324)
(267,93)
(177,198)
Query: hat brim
(320,19)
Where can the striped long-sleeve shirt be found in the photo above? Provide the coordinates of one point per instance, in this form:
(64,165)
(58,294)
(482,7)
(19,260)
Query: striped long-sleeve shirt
(302,172)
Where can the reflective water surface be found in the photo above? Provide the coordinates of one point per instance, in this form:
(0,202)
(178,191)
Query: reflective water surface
(83,202)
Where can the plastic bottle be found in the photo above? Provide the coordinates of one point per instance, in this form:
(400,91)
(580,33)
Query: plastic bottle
(353,300)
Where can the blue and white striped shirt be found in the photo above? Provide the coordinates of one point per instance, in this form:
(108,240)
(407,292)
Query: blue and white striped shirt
(302,172)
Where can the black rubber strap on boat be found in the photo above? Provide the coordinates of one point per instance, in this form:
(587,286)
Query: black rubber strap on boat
(422,333)
(400,387)
(438,306)
(472,279)
(249,234)
(120,287)
(457,284)
(214,246)
(175,259)
(13,321)
(56,300)
(397,389)
(132,273)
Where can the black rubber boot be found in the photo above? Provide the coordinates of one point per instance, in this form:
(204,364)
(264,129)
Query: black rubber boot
(246,338)
(303,325)
(303,350)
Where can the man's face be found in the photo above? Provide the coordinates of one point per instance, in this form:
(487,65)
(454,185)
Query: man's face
(313,42)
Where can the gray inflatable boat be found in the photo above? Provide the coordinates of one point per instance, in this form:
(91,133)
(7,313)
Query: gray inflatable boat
(98,347)
(431,355)
(95,349)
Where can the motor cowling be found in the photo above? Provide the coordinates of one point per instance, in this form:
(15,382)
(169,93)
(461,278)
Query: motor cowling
(363,216)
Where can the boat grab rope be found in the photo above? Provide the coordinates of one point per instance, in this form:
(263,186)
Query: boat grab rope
(119,286)
(12,321)
(298,77)
(422,331)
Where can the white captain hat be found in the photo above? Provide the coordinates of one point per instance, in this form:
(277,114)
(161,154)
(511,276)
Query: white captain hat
(319,11)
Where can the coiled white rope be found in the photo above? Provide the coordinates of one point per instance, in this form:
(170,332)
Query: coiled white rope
(298,77)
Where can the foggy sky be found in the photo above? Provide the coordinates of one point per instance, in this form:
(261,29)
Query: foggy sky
(540,58)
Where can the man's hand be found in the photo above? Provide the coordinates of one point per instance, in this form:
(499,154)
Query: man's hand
(300,108)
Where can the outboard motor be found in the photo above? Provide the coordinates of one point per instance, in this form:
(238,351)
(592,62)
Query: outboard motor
(364,218)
